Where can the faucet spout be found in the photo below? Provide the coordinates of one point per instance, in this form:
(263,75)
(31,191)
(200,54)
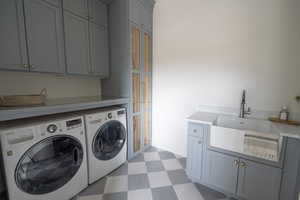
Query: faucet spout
(243,111)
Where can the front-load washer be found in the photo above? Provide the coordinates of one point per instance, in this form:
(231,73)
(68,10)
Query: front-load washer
(106,141)
(45,160)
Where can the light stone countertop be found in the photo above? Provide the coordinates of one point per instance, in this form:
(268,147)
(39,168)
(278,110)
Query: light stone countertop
(210,117)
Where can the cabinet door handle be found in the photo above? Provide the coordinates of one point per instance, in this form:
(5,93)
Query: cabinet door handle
(243,164)
(195,130)
(199,142)
(24,66)
(236,162)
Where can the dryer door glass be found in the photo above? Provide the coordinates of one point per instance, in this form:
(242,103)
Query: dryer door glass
(49,165)
(109,140)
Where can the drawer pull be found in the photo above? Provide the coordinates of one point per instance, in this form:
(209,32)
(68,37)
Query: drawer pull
(195,130)
(199,142)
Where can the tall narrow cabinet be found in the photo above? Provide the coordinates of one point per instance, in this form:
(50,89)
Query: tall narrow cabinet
(130,28)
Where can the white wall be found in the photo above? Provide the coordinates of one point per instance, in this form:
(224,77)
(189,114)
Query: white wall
(207,51)
(12,83)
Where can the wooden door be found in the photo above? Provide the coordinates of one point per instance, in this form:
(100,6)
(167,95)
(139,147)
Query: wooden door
(44,36)
(136,92)
(147,53)
(98,12)
(136,133)
(13,54)
(136,48)
(221,171)
(99,50)
(258,181)
(195,157)
(77,44)
(77,7)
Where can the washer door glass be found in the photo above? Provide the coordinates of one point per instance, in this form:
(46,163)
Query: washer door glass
(49,165)
(109,140)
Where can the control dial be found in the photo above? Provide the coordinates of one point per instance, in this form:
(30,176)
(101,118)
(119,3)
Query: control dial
(52,128)
(109,115)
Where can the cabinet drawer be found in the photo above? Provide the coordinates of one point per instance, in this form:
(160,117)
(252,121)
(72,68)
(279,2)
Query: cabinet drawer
(196,130)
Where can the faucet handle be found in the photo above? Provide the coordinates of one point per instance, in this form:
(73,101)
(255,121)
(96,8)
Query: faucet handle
(248,111)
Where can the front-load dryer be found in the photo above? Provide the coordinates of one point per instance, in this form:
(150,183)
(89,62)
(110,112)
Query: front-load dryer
(106,141)
(45,160)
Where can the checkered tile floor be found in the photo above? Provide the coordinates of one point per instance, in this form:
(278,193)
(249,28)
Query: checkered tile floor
(152,175)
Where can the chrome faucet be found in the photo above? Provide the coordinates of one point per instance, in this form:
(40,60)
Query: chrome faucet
(243,111)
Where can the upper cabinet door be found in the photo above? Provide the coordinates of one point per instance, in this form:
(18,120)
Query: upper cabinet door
(258,181)
(13,55)
(98,12)
(99,50)
(77,44)
(78,7)
(44,36)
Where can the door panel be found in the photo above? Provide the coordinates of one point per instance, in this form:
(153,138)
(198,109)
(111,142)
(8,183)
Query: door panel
(98,12)
(195,157)
(49,165)
(136,93)
(147,53)
(258,181)
(99,50)
(78,7)
(136,48)
(45,36)
(77,44)
(147,127)
(147,92)
(136,133)
(13,54)
(221,171)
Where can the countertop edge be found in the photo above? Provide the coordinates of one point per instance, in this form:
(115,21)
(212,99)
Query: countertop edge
(13,114)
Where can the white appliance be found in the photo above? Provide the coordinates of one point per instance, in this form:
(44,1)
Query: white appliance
(45,160)
(106,141)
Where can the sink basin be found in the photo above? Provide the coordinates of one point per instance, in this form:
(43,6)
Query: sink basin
(234,122)
(247,136)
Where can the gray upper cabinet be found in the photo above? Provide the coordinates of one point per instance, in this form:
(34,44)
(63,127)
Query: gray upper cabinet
(77,7)
(98,12)
(99,50)
(77,44)
(258,181)
(221,171)
(44,36)
(195,151)
(13,54)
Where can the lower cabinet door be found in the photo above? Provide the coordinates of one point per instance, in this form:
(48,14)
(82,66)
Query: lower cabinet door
(195,157)
(258,181)
(221,171)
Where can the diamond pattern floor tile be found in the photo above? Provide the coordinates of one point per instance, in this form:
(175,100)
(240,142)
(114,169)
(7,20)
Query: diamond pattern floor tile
(153,175)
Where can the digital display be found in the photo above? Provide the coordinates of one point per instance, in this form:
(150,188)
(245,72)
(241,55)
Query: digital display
(121,112)
(73,122)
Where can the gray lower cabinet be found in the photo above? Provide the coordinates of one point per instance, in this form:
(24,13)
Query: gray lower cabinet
(77,7)
(258,181)
(13,53)
(195,151)
(99,50)
(77,44)
(44,36)
(221,171)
